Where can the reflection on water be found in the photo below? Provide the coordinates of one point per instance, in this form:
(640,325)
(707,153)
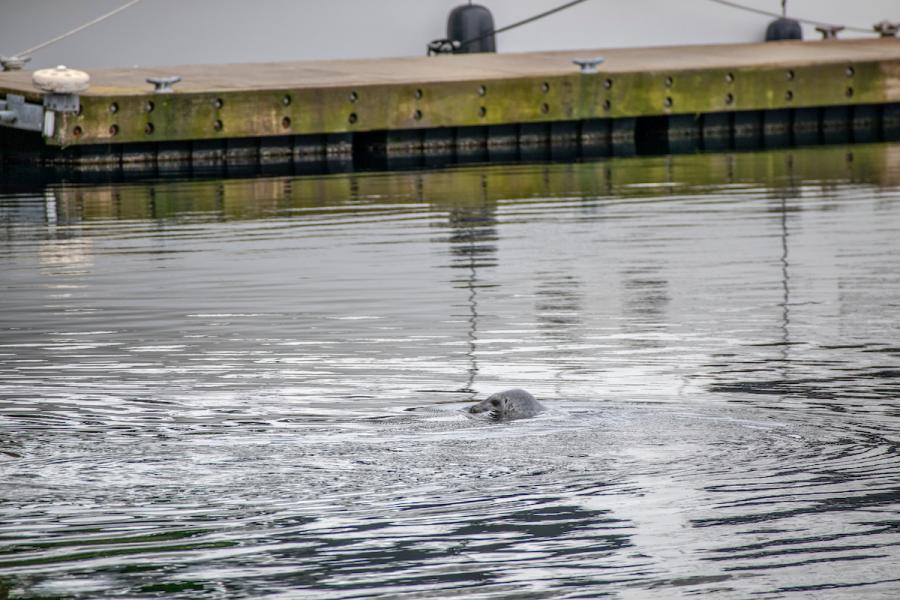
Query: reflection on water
(473,246)
(249,387)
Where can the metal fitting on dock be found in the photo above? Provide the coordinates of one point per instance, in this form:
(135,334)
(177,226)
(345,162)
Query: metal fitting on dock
(7,116)
(13,63)
(18,114)
(886,28)
(163,85)
(588,65)
(830,32)
(61,80)
(61,87)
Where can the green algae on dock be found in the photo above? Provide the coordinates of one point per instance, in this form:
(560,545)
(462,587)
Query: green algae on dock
(428,104)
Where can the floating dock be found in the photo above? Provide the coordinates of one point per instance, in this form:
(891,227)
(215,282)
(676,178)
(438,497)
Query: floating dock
(639,100)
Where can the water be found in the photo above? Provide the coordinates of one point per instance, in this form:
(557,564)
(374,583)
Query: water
(251,387)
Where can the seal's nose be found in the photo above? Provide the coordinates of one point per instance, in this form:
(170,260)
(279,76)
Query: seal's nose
(475,409)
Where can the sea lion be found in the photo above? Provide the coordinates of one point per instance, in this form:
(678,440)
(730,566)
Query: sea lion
(511,404)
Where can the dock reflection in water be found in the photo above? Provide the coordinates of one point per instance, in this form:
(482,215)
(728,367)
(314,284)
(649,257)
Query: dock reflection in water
(249,387)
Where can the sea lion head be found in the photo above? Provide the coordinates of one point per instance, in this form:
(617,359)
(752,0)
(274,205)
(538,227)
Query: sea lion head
(511,404)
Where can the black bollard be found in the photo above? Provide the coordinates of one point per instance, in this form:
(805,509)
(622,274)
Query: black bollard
(472,25)
(783,28)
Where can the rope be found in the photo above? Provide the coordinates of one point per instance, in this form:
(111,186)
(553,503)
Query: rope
(531,19)
(776,15)
(77,29)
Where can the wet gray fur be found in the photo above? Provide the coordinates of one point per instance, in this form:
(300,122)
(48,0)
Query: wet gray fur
(511,404)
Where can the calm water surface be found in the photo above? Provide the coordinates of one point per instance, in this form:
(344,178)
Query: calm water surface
(251,387)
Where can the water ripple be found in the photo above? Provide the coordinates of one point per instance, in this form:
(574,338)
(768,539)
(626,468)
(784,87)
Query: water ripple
(224,388)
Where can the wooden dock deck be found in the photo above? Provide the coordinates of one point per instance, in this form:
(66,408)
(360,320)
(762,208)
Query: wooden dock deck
(686,97)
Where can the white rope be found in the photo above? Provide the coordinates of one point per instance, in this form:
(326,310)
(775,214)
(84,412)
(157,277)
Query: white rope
(77,29)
